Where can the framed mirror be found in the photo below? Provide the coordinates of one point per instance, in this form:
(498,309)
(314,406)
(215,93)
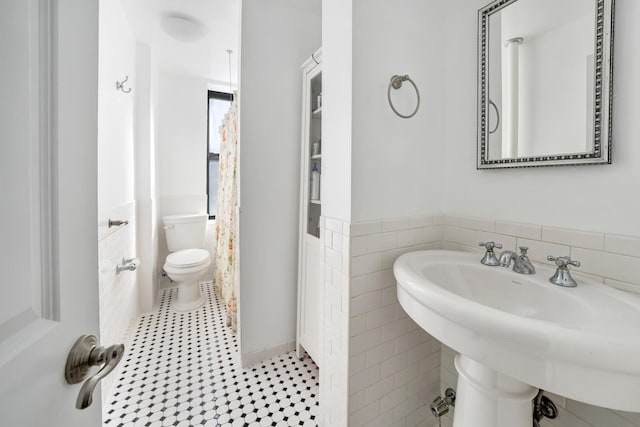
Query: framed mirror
(545,83)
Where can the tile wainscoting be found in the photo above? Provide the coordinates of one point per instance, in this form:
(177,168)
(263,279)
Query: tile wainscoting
(394,369)
(392,366)
(118,293)
(334,365)
(607,258)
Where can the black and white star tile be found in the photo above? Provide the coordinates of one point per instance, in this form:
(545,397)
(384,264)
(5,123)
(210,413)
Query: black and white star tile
(180,371)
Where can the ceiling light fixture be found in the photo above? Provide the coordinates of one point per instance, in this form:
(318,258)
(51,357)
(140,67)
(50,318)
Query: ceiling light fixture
(182,27)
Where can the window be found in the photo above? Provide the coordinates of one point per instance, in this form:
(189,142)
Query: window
(219,103)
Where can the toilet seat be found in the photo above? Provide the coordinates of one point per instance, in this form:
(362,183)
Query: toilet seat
(188,258)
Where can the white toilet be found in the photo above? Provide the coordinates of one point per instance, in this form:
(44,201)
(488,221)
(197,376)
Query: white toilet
(187,262)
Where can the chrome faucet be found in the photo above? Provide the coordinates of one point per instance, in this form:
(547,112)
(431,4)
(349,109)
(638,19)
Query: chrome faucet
(521,263)
(562,276)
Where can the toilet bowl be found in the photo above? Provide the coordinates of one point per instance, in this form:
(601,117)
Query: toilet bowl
(187,261)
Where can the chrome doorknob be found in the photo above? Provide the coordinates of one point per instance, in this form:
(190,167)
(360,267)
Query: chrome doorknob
(84,354)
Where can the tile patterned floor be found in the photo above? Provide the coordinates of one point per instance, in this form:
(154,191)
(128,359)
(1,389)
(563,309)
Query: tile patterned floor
(180,371)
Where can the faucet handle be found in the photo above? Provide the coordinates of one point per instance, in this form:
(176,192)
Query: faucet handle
(490,245)
(563,261)
(489,257)
(562,276)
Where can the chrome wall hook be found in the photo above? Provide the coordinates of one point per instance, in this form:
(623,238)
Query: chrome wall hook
(120,85)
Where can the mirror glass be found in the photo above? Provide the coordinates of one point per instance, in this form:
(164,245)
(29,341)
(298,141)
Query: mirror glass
(544,83)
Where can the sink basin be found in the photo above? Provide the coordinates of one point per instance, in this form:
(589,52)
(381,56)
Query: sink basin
(525,333)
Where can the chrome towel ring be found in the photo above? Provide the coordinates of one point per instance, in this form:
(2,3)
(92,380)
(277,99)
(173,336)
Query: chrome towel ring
(396,83)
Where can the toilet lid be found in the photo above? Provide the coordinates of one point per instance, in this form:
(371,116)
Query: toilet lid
(188,258)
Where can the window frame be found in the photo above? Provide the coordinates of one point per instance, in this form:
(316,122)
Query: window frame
(212,94)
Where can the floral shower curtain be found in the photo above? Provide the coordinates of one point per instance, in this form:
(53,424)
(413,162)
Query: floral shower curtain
(226,258)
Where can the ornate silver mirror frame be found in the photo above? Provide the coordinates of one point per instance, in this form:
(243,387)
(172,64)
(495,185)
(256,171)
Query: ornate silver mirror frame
(602,95)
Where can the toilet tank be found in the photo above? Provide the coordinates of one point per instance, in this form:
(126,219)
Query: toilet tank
(185,231)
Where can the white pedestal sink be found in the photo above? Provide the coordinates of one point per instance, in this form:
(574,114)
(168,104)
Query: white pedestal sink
(516,333)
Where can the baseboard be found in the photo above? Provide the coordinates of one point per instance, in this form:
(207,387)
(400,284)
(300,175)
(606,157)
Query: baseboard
(249,359)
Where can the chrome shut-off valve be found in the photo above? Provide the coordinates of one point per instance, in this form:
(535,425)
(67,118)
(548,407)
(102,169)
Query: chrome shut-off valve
(543,407)
(440,405)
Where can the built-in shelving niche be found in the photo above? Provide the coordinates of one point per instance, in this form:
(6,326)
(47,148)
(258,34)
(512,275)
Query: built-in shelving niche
(315,136)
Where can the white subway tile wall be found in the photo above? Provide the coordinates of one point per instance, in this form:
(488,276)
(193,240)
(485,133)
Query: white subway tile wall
(607,258)
(393,364)
(623,245)
(335,357)
(526,231)
(118,298)
(579,239)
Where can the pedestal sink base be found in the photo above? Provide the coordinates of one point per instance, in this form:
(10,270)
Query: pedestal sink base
(487,398)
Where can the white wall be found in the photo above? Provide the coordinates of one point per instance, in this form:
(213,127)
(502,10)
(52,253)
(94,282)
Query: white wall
(396,161)
(145,182)
(554,90)
(277,37)
(337,102)
(378,165)
(115,109)
(182,135)
(597,198)
(118,294)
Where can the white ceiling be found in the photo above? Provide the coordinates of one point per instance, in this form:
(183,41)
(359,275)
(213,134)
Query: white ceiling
(206,58)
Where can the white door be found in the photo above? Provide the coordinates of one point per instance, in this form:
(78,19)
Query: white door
(48,230)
